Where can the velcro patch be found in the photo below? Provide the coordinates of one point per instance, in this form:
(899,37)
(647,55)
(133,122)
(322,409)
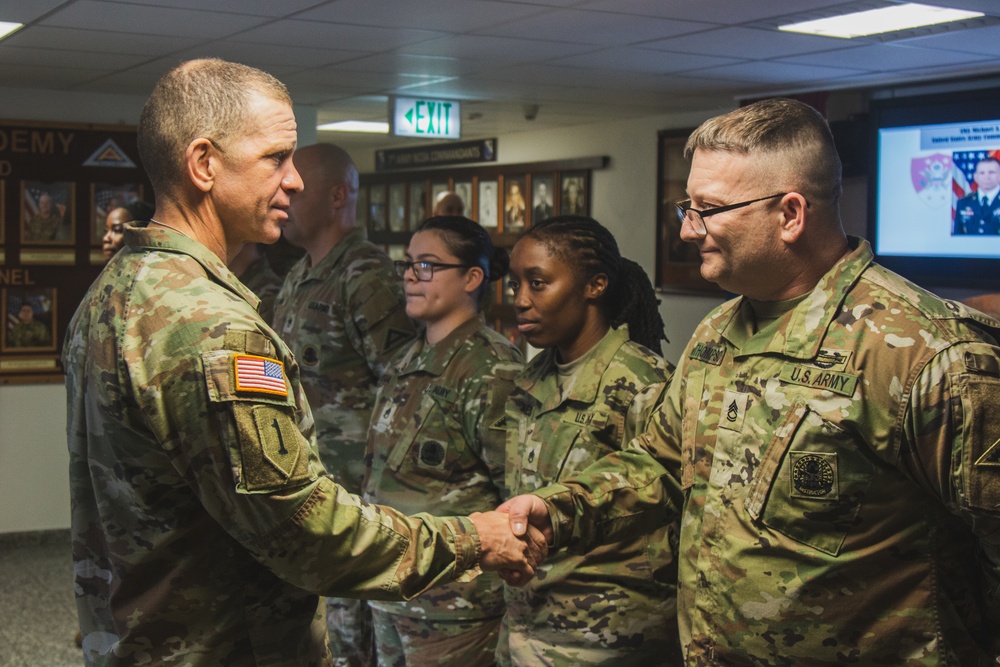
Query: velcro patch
(260,375)
(814,475)
(710,353)
(734,410)
(807,376)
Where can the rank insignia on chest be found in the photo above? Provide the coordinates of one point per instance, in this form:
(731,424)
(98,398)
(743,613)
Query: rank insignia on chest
(260,375)
(709,353)
(734,410)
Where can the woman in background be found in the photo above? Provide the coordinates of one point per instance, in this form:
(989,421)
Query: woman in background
(588,393)
(437,439)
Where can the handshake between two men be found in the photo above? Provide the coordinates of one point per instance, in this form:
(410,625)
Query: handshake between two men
(514,539)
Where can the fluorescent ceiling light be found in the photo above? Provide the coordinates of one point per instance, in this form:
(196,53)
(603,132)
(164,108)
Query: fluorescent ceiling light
(7,28)
(876,21)
(356,126)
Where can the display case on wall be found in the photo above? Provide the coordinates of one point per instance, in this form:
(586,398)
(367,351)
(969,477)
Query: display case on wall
(505,199)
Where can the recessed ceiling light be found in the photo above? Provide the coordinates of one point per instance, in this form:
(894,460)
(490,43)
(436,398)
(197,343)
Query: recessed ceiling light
(877,21)
(6,28)
(355,126)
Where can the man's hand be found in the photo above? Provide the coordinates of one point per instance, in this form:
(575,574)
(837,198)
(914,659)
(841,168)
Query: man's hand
(516,556)
(528,510)
(527,514)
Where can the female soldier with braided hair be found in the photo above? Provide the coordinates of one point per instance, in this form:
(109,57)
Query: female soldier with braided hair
(587,393)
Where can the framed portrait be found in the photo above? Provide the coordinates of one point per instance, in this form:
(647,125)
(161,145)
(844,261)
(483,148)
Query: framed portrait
(376,208)
(106,197)
(678,264)
(397,207)
(418,203)
(488,204)
(515,205)
(396,252)
(29,319)
(541,198)
(574,194)
(362,209)
(464,191)
(47,215)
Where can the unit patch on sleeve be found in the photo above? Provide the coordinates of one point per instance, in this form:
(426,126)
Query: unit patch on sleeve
(260,375)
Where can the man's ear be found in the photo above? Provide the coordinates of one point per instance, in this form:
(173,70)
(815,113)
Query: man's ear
(338,195)
(201,159)
(596,286)
(793,216)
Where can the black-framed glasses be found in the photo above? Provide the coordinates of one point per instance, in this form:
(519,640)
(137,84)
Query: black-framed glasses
(424,271)
(696,218)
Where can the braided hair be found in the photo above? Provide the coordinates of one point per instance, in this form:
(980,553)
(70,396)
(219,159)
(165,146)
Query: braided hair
(472,245)
(588,246)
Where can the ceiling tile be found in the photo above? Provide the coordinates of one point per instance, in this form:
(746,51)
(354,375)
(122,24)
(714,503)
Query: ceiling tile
(886,57)
(788,74)
(725,12)
(19,11)
(745,43)
(317,34)
(13,55)
(594,27)
(645,60)
(427,14)
(985,41)
(498,49)
(252,7)
(101,41)
(116,17)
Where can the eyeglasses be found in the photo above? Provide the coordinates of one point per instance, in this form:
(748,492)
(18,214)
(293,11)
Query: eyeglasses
(696,218)
(424,271)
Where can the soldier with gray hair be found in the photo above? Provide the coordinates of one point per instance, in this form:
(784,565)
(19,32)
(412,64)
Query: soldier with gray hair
(831,440)
(204,524)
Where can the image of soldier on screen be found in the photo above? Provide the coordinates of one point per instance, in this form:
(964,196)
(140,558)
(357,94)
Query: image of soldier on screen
(976,188)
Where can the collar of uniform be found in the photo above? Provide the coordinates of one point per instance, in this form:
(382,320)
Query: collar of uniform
(804,327)
(434,359)
(540,379)
(323,267)
(139,236)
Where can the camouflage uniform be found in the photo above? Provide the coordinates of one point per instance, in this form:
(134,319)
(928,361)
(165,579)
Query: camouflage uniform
(201,513)
(344,319)
(615,605)
(265,283)
(840,472)
(437,445)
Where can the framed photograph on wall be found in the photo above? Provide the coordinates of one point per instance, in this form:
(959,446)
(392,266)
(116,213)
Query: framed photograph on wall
(29,319)
(573,198)
(376,208)
(515,206)
(464,191)
(488,204)
(418,203)
(362,210)
(541,197)
(106,197)
(47,215)
(678,264)
(397,207)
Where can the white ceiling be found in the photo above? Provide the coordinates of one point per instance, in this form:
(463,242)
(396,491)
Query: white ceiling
(580,61)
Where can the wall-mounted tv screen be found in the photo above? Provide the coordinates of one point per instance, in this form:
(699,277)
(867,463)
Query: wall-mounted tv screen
(934,197)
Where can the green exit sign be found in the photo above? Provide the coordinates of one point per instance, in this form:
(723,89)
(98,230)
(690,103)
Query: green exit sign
(432,119)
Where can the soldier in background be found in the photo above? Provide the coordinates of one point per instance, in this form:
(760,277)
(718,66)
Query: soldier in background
(449,203)
(831,438)
(590,391)
(342,312)
(203,522)
(437,438)
(253,269)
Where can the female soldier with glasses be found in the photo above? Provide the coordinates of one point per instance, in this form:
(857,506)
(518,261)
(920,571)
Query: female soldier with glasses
(436,442)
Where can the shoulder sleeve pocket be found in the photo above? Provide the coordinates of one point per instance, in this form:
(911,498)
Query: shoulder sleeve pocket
(981,442)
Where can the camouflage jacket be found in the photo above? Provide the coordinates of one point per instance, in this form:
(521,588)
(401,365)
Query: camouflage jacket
(840,472)
(618,601)
(201,514)
(265,283)
(344,319)
(436,445)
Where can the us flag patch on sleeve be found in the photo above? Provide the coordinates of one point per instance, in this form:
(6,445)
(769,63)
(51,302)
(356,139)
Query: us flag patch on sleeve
(260,374)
